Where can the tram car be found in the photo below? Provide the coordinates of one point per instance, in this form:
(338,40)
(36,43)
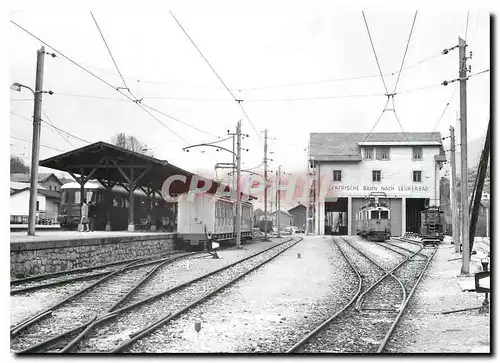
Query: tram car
(164,214)
(373,220)
(200,212)
(432,225)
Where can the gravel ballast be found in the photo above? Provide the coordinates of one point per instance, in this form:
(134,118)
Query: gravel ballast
(268,310)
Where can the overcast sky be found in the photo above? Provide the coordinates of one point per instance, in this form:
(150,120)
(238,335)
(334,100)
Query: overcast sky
(304,51)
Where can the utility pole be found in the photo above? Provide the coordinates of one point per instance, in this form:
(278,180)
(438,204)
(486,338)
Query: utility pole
(238,185)
(36,140)
(234,161)
(453,187)
(278,199)
(307,193)
(265,187)
(462,62)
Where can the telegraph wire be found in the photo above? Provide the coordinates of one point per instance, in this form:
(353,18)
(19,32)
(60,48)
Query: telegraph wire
(29,142)
(176,119)
(65,132)
(406,50)
(220,79)
(444,110)
(312,98)
(52,125)
(298,84)
(466,26)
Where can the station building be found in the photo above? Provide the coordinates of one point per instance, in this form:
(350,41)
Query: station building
(346,167)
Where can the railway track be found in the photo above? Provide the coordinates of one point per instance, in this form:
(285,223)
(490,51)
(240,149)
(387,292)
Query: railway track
(57,279)
(93,300)
(366,322)
(144,310)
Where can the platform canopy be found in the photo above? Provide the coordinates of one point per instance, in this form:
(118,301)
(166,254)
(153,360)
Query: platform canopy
(113,165)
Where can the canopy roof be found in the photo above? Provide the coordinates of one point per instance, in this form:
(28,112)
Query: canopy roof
(113,165)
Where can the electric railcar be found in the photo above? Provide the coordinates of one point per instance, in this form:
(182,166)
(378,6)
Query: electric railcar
(373,220)
(431,227)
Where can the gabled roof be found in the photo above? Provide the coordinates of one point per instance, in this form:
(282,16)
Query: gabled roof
(45,192)
(18,185)
(282,211)
(26,177)
(300,206)
(344,146)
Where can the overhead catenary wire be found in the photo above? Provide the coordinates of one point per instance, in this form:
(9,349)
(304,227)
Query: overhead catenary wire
(375,53)
(109,51)
(217,75)
(136,101)
(95,76)
(406,50)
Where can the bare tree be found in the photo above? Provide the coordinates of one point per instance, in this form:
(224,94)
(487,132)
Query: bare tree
(129,142)
(17,165)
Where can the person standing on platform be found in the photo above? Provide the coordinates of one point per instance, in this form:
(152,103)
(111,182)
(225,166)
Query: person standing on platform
(85,216)
(92,216)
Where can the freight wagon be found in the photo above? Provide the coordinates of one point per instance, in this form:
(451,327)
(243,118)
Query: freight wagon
(201,213)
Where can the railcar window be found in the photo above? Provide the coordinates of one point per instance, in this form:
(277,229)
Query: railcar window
(374,214)
(76,200)
(384,214)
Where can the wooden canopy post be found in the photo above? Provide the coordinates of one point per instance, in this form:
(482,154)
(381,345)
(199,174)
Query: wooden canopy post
(108,202)
(131,224)
(149,210)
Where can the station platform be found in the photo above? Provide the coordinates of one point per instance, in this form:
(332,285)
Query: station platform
(62,235)
(441,317)
(54,251)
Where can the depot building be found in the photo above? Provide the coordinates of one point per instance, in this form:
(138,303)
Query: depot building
(347,167)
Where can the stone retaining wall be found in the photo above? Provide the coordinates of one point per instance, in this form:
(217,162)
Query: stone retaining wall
(35,258)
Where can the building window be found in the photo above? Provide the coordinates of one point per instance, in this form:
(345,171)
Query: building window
(417,153)
(368,153)
(417,176)
(376,175)
(37,205)
(337,175)
(383,153)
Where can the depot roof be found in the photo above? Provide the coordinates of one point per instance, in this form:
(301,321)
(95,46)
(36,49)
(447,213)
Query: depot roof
(337,146)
